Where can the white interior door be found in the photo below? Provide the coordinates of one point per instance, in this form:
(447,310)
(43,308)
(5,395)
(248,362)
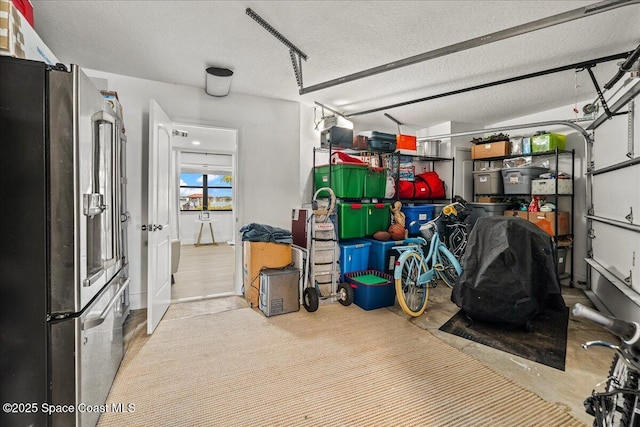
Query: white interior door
(158,223)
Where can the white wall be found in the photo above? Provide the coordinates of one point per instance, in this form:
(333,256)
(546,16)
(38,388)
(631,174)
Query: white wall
(268,183)
(221,222)
(448,148)
(309,138)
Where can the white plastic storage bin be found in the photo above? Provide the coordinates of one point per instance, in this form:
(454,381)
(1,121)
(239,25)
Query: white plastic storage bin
(548,186)
(488,182)
(518,180)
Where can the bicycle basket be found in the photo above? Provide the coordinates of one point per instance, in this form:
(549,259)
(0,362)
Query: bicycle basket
(427,230)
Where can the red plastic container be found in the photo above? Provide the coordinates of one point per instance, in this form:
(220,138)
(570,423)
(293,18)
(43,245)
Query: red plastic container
(26,9)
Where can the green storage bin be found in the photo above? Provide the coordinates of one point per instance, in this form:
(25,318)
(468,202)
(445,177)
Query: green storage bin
(352,219)
(378,217)
(347,179)
(375,183)
(548,142)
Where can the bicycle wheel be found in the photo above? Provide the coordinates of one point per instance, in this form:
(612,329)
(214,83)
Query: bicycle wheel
(620,410)
(412,295)
(447,266)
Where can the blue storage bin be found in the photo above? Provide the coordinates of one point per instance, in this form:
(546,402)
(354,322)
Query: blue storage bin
(354,256)
(419,214)
(372,289)
(382,257)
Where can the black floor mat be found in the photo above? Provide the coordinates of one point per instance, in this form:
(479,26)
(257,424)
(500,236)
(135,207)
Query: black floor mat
(545,343)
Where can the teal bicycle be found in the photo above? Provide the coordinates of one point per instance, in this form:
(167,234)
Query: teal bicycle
(414,272)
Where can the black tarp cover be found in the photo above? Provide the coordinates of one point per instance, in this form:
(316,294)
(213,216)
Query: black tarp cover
(510,272)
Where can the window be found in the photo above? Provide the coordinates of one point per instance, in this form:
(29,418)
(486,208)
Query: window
(216,189)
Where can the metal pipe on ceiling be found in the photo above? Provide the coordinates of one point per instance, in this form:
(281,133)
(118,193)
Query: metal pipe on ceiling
(550,21)
(540,125)
(624,68)
(496,83)
(330,109)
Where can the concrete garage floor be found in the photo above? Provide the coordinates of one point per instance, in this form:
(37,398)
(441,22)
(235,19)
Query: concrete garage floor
(584,368)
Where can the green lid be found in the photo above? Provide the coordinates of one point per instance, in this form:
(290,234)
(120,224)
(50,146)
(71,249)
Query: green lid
(371,279)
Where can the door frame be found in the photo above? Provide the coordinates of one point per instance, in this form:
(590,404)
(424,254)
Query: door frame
(230,148)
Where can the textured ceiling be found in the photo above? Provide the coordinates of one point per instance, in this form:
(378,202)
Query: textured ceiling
(175,41)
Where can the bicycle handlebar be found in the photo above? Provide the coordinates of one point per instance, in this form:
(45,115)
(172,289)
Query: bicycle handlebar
(629,332)
(434,220)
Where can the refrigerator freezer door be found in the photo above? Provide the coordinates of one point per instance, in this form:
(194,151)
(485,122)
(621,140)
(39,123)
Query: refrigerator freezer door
(86,353)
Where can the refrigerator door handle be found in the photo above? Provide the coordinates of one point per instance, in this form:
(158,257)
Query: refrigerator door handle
(97,321)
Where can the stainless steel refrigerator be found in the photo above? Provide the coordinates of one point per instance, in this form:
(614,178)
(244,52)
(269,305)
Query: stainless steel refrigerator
(64,275)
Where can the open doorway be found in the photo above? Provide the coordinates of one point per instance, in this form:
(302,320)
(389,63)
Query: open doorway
(204,247)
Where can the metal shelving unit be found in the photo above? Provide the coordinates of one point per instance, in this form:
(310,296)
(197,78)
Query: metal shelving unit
(330,150)
(555,155)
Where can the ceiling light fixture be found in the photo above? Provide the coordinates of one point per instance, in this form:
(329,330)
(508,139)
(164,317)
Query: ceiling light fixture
(218,81)
(195,142)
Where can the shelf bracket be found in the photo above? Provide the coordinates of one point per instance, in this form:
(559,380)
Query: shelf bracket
(628,280)
(296,61)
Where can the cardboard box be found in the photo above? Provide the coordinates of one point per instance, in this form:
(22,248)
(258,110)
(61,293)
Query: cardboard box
(547,222)
(486,199)
(522,214)
(407,174)
(257,256)
(11,38)
(19,39)
(491,149)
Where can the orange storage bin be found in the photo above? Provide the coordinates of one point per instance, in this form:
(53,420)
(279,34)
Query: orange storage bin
(406,143)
